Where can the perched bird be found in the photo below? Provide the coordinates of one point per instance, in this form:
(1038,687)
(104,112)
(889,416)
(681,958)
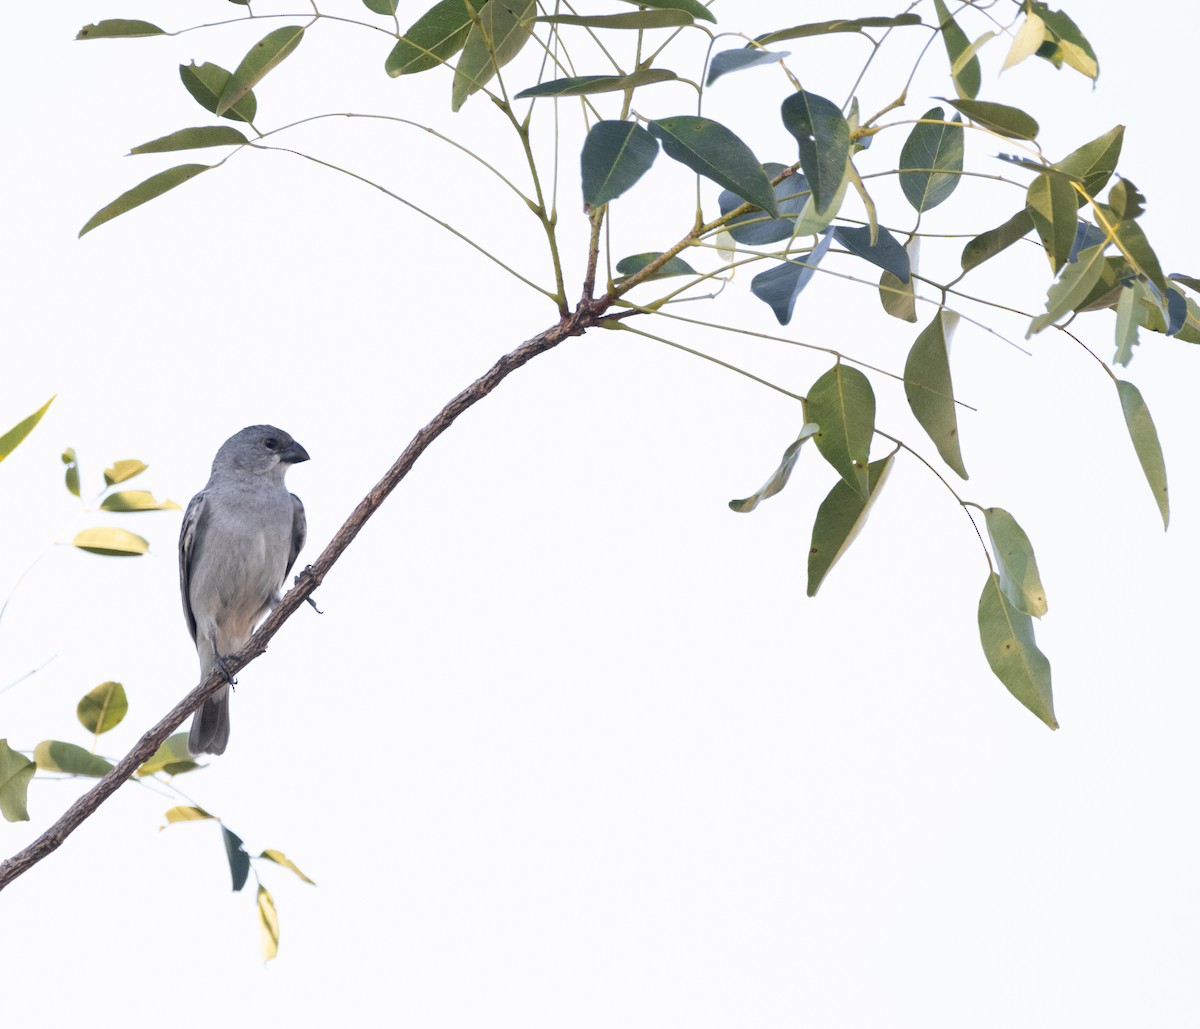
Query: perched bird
(239,540)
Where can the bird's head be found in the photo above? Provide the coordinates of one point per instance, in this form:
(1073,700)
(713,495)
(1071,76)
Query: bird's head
(259,450)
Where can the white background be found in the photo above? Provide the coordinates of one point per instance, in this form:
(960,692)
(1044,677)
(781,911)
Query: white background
(570,746)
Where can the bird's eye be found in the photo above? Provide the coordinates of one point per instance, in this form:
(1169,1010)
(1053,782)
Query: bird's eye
(271,444)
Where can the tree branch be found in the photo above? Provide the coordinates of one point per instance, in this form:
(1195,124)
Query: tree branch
(573,324)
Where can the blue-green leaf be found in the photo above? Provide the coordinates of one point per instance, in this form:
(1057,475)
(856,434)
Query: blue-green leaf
(886,252)
(754,228)
(615,155)
(239,859)
(929,389)
(931,160)
(737,60)
(779,287)
(842,403)
(823,136)
(839,520)
(711,150)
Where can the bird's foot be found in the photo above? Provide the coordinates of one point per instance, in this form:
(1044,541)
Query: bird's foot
(308,599)
(224,670)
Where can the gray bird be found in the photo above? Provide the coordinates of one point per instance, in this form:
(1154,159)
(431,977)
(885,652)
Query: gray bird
(239,540)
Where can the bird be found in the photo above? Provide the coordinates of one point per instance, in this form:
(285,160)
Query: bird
(240,537)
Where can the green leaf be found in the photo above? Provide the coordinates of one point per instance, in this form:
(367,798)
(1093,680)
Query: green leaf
(632,20)
(1094,162)
(842,403)
(384,7)
(187,813)
(615,155)
(102,708)
(780,476)
(268,922)
(899,299)
(582,85)
(636,262)
(779,287)
(16,771)
(692,7)
(193,139)
(265,55)
(931,160)
(824,139)
(728,61)
(1126,200)
(754,228)
(711,150)
(1128,311)
(1070,47)
(136,500)
(967,80)
(119,28)
(72,475)
(1010,648)
(1145,444)
(1050,201)
(1000,118)
(988,244)
(206,82)
(153,187)
(1019,578)
(502,29)
(172,754)
(823,28)
(108,541)
(886,252)
(839,520)
(13,438)
(1072,287)
(929,390)
(57,756)
(1140,254)
(1190,281)
(239,860)
(122,471)
(1029,37)
(281,859)
(432,39)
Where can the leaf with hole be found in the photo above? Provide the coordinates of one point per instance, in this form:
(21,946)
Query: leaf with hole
(931,160)
(779,287)
(779,478)
(711,150)
(431,40)
(57,756)
(823,136)
(1006,635)
(497,35)
(152,188)
(1019,576)
(929,390)
(839,520)
(615,155)
(1145,444)
(16,772)
(14,437)
(102,708)
(728,61)
(842,403)
(206,82)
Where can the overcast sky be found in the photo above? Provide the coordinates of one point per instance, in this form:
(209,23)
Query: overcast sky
(570,746)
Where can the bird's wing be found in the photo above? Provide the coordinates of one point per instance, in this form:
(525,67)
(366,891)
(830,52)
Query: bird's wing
(299,532)
(188,533)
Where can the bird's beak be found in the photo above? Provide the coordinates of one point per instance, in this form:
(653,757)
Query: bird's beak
(293,454)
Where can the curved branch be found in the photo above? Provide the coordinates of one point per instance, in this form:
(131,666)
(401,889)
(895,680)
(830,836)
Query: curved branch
(574,324)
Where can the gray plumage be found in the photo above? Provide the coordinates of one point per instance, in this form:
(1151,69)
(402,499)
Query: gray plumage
(239,540)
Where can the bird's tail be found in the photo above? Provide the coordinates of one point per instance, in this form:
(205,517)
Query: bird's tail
(210,725)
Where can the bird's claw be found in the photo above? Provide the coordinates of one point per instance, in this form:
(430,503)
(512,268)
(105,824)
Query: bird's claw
(224,670)
(309,599)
